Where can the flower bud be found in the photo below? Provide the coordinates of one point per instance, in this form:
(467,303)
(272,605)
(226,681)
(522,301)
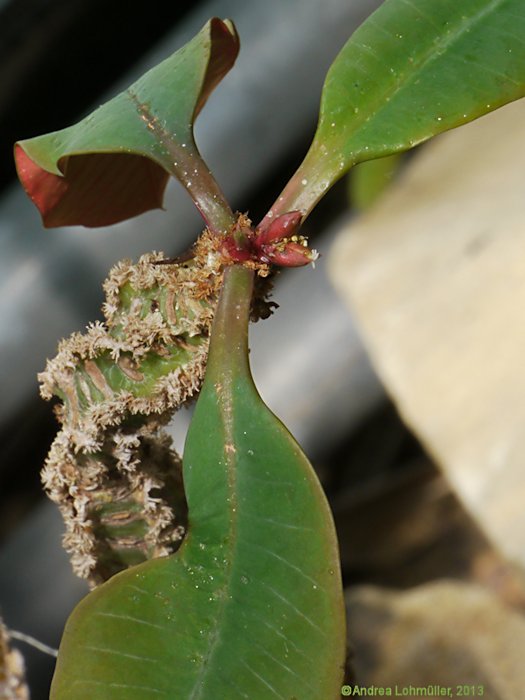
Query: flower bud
(283,226)
(280,244)
(291,253)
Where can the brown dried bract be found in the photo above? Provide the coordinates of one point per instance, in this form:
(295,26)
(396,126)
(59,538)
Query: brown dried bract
(12,670)
(111,469)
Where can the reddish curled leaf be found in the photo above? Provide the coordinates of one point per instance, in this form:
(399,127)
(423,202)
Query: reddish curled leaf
(115,163)
(132,185)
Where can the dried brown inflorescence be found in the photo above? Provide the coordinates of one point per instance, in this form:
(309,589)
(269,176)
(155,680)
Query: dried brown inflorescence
(111,468)
(12,670)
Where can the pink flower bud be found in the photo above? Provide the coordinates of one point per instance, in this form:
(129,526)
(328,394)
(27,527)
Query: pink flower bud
(283,226)
(290,253)
(280,244)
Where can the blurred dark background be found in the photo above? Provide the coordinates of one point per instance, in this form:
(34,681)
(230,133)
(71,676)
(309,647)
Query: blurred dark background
(58,60)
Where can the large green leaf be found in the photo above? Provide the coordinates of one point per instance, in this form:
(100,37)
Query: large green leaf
(414,69)
(251,605)
(114,164)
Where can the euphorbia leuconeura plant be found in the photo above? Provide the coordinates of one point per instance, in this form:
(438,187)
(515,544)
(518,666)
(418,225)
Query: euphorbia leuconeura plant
(231,586)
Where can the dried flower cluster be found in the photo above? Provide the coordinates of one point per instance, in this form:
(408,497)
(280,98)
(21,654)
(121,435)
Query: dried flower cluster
(12,670)
(111,469)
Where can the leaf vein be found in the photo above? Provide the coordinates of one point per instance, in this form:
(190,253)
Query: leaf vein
(279,523)
(288,641)
(254,643)
(117,652)
(148,689)
(264,681)
(284,561)
(294,608)
(487,69)
(419,11)
(130,618)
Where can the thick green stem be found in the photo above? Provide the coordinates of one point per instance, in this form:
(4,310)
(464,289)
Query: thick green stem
(185,163)
(229,337)
(304,190)
(197,179)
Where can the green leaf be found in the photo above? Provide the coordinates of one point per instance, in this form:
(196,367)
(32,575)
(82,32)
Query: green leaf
(415,68)
(368,180)
(114,164)
(251,605)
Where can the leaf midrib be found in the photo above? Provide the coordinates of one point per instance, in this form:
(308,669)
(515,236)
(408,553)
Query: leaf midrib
(224,392)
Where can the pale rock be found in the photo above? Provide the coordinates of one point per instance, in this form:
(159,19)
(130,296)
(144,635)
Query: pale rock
(444,634)
(435,273)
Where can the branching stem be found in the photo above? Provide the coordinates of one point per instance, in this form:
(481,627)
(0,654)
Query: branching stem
(185,163)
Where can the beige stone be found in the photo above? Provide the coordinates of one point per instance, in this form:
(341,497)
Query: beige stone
(435,274)
(445,634)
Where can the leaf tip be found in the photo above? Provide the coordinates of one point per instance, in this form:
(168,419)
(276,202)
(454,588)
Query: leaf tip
(45,189)
(224,28)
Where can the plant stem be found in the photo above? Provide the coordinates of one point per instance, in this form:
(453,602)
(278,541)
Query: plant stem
(183,160)
(304,190)
(229,336)
(195,176)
